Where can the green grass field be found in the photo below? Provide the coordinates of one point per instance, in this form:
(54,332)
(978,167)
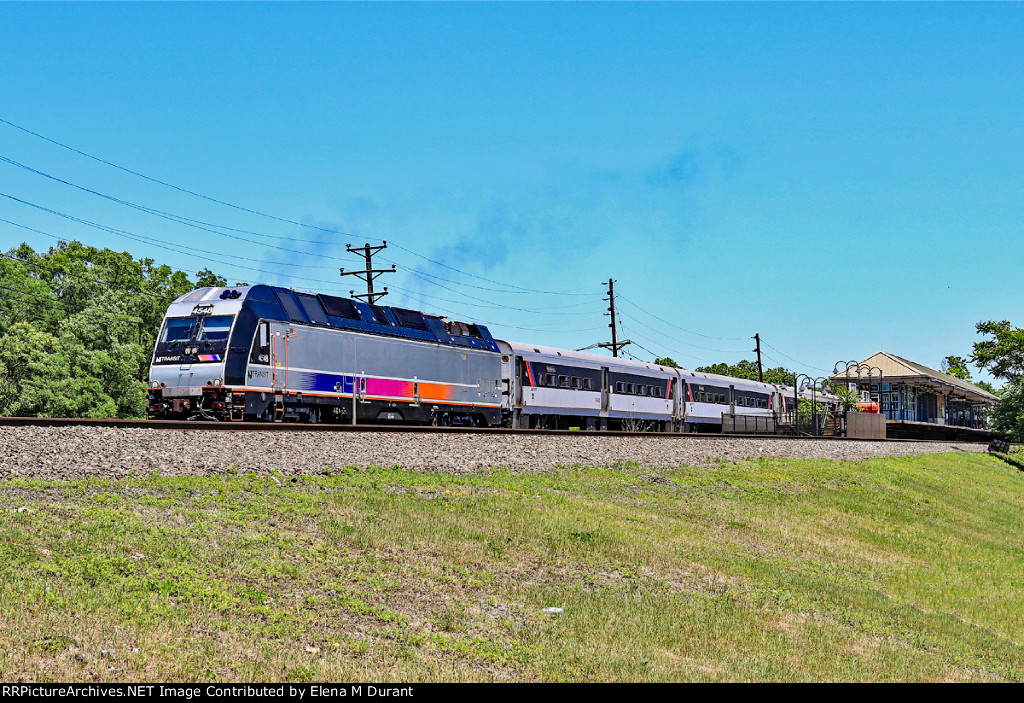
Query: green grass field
(770,570)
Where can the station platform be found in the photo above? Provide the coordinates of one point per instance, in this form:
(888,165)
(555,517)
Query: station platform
(905,429)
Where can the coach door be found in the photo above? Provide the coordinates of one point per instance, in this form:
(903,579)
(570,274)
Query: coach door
(605,390)
(678,388)
(518,384)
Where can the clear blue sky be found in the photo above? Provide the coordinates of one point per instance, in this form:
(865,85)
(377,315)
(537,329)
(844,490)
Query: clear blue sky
(838,177)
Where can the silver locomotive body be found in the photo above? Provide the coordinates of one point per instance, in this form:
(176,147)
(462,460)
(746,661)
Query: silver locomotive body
(261,352)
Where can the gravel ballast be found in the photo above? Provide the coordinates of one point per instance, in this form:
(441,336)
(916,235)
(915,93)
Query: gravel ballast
(77,452)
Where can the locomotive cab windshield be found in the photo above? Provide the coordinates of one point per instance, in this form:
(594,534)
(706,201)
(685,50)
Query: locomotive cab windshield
(194,338)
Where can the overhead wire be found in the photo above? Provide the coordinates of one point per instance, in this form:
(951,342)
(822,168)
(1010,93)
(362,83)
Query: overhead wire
(680,341)
(21,294)
(265,214)
(206,227)
(143,239)
(619,296)
(411,294)
(216,229)
(795,361)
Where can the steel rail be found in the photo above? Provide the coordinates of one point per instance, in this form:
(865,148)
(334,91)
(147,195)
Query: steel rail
(223,426)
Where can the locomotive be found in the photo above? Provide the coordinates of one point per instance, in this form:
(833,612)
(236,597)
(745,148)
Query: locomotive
(276,354)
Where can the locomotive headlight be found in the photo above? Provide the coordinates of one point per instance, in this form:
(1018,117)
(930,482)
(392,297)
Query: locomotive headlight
(154,384)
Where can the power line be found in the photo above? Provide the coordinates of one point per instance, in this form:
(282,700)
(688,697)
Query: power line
(653,355)
(263,214)
(795,361)
(332,284)
(178,249)
(188,222)
(205,226)
(21,294)
(680,341)
(633,335)
(482,278)
(699,334)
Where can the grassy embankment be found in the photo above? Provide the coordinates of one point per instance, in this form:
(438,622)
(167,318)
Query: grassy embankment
(898,569)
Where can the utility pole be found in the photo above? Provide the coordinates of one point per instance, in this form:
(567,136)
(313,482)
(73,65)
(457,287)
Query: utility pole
(616,344)
(369,273)
(760,373)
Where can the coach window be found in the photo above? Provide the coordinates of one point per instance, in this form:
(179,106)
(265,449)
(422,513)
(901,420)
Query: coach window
(576,382)
(563,381)
(588,384)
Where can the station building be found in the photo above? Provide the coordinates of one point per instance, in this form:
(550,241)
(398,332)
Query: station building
(910,392)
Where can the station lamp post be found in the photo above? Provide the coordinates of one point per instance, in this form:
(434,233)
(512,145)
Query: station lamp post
(859,367)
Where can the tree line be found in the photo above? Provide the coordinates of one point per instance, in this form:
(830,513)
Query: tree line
(77,328)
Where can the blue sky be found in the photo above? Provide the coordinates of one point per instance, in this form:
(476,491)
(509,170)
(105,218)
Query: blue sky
(838,177)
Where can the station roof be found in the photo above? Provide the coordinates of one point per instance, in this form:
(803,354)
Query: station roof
(896,368)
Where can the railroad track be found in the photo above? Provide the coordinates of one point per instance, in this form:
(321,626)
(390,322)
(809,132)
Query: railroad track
(211,426)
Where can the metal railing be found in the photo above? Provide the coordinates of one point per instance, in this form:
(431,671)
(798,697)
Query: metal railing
(733,423)
(803,423)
